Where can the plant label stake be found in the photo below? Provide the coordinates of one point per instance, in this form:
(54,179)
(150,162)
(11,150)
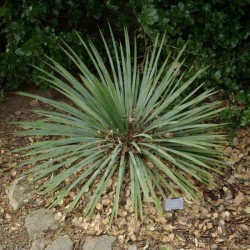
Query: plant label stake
(174,204)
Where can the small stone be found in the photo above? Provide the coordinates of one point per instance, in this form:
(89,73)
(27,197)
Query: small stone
(17,193)
(34,103)
(132,247)
(39,245)
(99,243)
(18,112)
(61,243)
(39,222)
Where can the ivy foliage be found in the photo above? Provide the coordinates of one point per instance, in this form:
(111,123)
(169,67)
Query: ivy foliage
(30,29)
(217,33)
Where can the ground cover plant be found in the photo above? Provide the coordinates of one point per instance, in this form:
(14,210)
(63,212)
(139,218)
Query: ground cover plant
(126,120)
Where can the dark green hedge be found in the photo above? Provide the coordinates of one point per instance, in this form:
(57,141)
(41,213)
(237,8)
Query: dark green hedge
(216,31)
(30,29)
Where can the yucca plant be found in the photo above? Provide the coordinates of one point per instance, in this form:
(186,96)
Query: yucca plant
(125,123)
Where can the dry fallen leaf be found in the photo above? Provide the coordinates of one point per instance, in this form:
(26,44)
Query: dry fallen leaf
(219,222)
(150,164)
(58,215)
(232,236)
(133,237)
(169,135)
(168,228)
(171,237)
(238,199)
(105,221)
(247,210)
(99,206)
(105,201)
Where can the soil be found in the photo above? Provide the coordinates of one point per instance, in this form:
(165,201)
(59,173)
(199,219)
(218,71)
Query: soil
(220,221)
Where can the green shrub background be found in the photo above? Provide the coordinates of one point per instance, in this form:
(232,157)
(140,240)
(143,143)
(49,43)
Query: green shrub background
(216,31)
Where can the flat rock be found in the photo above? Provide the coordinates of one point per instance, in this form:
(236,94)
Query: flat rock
(132,247)
(61,243)
(18,194)
(40,222)
(100,243)
(1,248)
(39,245)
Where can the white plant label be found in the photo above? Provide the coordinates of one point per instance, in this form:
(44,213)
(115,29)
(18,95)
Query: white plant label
(174,204)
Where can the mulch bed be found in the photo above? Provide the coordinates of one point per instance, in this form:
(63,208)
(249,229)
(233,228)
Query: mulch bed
(220,221)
